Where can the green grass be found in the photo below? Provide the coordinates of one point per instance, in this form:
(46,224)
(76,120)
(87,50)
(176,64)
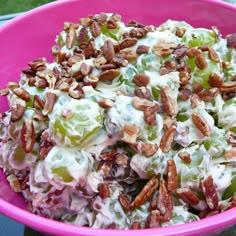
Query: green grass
(14,6)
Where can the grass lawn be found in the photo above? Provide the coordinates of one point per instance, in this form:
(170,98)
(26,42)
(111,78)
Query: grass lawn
(14,6)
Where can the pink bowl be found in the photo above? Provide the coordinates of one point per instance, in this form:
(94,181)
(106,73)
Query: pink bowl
(31,35)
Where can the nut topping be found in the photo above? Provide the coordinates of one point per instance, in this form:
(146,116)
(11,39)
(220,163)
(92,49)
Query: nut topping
(95,29)
(187,196)
(168,139)
(17,112)
(130,133)
(50,99)
(27,136)
(201,124)
(124,201)
(103,191)
(22,93)
(149,149)
(215,80)
(141,80)
(109,74)
(108,50)
(128,42)
(71,36)
(172,176)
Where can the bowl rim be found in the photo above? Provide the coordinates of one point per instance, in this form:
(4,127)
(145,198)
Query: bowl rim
(25,217)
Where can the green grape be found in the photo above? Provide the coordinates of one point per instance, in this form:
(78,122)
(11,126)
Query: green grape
(111,33)
(156,91)
(231,190)
(85,121)
(63,173)
(149,61)
(182,117)
(127,75)
(19,155)
(199,37)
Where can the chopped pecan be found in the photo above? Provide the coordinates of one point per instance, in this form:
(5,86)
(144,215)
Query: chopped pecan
(185,156)
(146,193)
(111,24)
(106,103)
(150,28)
(12,85)
(127,43)
(38,102)
(83,34)
(108,50)
(142,49)
(169,102)
(187,195)
(172,176)
(135,225)
(230,154)
(165,201)
(130,133)
(153,219)
(228,87)
(101,60)
(14,183)
(138,33)
(201,61)
(208,94)
(4,92)
(71,36)
(29,72)
(209,191)
(184,77)
(49,76)
(168,122)
(91,80)
(167,67)
(142,92)
(124,201)
(163,49)
(149,149)
(95,29)
(195,100)
(41,83)
(103,191)
(101,18)
(215,80)
(197,88)
(17,112)
(109,74)
(108,156)
(122,160)
(231,139)
(180,32)
(74,59)
(22,93)
(50,99)
(201,124)
(129,54)
(38,64)
(153,205)
(38,115)
(180,52)
(231,40)
(119,61)
(141,80)
(85,69)
(109,66)
(150,115)
(86,21)
(168,139)
(27,136)
(142,104)
(66,114)
(75,91)
(105,168)
(184,94)
(89,49)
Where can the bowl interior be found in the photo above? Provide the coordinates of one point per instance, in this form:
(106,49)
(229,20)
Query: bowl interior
(32,35)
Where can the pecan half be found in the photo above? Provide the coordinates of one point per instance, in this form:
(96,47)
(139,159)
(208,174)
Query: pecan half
(108,50)
(149,149)
(83,34)
(195,100)
(192,52)
(201,61)
(180,52)
(98,61)
(12,85)
(128,42)
(119,61)
(209,191)
(150,115)
(75,91)
(124,201)
(129,54)
(89,49)
(184,94)
(165,201)
(201,124)
(103,191)
(109,74)
(168,122)
(168,139)
(22,93)
(27,136)
(172,176)
(111,24)
(180,32)
(188,196)
(167,67)
(95,29)
(197,88)
(230,154)
(212,54)
(85,69)
(153,219)
(135,225)
(50,99)
(141,80)
(138,33)
(184,77)
(146,193)
(71,36)
(17,112)
(130,133)
(169,102)
(228,87)
(106,103)
(215,80)
(105,168)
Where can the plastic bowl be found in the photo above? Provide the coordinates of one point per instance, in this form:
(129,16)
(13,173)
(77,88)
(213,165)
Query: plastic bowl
(31,35)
